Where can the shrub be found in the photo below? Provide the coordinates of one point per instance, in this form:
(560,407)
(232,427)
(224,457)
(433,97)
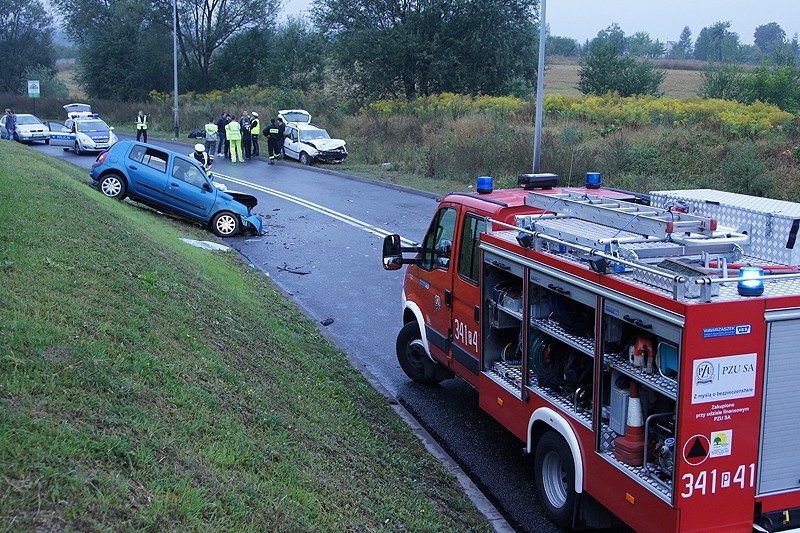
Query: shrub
(604,71)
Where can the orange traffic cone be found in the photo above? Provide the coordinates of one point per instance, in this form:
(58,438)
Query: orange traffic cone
(629,448)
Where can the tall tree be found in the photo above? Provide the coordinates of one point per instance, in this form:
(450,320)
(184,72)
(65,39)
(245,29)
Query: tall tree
(204,26)
(717,43)
(407,48)
(125,46)
(290,56)
(612,37)
(770,38)
(641,45)
(562,46)
(25,40)
(683,48)
(124,52)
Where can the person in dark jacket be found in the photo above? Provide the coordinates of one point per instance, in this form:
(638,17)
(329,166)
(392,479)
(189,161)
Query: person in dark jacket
(244,124)
(222,147)
(281,136)
(11,124)
(273,146)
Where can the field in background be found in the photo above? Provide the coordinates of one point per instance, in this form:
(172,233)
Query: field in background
(66,71)
(562,78)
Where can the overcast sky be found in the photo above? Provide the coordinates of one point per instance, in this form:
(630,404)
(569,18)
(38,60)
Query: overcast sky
(663,20)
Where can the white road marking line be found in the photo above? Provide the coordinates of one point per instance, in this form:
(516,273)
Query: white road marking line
(347,219)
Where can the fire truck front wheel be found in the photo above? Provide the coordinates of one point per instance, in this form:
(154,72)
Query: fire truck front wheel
(414,359)
(555,478)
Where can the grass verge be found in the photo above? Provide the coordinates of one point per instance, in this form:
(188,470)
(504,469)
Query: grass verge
(149,385)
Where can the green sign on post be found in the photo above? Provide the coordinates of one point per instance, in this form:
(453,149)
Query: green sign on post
(33,92)
(33,89)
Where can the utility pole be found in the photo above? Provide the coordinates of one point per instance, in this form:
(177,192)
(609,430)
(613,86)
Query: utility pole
(175,61)
(537,137)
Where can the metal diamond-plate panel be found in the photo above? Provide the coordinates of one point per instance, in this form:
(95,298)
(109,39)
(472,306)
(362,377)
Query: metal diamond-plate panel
(640,473)
(552,327)
(511,378)
(771,224)
(657,382)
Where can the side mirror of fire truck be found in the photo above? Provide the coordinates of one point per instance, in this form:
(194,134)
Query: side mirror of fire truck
(393,253)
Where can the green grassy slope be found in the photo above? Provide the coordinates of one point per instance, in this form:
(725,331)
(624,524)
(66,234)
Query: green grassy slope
(147,384)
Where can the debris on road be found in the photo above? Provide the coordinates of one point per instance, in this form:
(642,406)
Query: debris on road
(285,268)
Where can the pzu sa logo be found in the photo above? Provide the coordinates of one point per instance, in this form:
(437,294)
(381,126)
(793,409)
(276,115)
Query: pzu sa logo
(704,373)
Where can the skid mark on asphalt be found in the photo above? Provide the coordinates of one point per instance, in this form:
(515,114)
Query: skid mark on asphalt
(347,219)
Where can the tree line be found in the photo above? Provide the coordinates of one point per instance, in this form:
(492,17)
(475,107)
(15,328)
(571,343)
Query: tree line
(364,49)
(715,43)
(374,48)
(614,62)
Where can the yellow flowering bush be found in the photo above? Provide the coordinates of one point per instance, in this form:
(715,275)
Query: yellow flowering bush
(449,104)
(727,116)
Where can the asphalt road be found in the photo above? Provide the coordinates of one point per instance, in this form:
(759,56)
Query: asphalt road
(322,246)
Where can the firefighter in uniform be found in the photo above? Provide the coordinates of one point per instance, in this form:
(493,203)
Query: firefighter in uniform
(281,137)
(141,125)
(273,141)
(255,126)
(201,156)
(233,132)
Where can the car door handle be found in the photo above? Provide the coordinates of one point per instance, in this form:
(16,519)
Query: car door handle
(173,184)
(134,168)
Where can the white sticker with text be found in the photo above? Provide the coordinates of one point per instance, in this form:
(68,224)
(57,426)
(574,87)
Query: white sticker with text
(724,378)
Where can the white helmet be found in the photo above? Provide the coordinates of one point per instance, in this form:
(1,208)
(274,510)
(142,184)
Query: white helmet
(199,147)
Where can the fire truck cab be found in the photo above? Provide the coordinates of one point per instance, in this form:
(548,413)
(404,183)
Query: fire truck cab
(644,348)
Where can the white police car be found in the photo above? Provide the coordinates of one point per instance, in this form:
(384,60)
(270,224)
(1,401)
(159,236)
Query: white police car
(83,131)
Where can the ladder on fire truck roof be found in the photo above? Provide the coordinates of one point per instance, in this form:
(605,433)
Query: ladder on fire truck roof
(649,232)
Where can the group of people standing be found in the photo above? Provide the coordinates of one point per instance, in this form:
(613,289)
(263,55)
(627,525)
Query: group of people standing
(238,139)
(235,139)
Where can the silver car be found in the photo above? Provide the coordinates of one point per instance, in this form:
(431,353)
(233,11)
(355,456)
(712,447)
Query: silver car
(28,129)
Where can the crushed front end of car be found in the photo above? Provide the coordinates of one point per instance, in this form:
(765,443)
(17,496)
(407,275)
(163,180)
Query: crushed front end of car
(250,221)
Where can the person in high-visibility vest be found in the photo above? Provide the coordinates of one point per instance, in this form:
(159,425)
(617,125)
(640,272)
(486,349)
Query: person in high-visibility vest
(200,155)
(233,133)
(211,136)
(254,129)
(141,125)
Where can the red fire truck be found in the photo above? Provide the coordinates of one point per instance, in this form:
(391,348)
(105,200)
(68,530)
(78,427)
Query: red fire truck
(645,348)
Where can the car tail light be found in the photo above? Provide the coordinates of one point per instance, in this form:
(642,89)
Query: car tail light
(101,157)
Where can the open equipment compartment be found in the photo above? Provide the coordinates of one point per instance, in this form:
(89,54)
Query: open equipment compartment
(503,333)
(640,353)
(561,343)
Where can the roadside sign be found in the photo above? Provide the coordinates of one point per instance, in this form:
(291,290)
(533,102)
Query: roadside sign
(33,89)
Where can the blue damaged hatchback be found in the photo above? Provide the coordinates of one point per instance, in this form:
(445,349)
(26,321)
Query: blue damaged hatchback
(174,183)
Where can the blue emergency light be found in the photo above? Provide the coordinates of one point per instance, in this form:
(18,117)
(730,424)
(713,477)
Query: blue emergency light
(485,185)
(593,180)
(748,286)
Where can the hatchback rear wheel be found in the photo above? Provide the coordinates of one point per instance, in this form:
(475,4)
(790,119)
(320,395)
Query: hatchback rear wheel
(113,185)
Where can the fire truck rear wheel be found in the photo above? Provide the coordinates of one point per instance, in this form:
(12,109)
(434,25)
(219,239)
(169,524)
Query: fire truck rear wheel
(555,478)
(413,358)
